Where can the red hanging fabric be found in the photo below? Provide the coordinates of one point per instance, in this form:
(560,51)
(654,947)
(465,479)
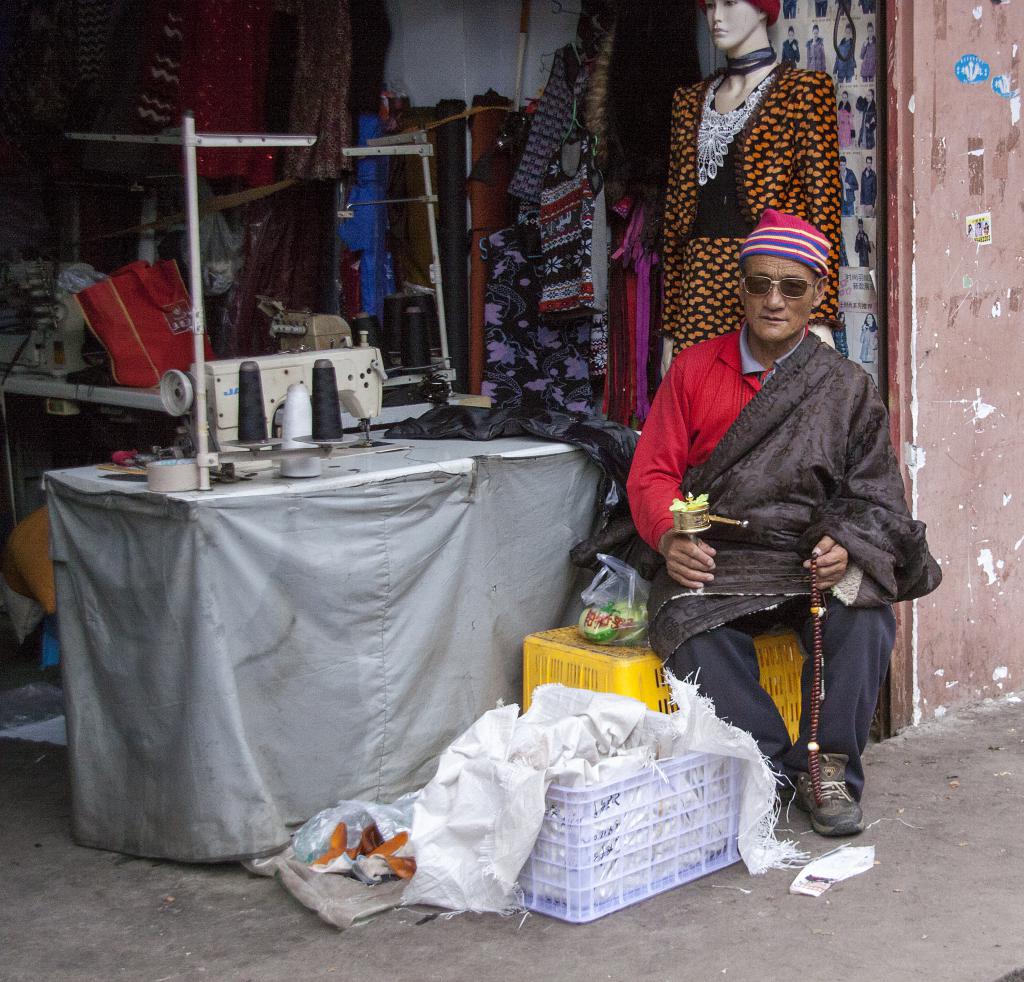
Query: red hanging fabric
(224,61)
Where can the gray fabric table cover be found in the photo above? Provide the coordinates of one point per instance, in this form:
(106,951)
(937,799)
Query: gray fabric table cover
(238,659)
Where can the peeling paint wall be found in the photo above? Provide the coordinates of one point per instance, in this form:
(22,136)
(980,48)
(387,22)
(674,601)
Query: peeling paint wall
(957,345)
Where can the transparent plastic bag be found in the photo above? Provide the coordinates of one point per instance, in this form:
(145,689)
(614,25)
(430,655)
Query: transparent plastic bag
(221,248)
(616,611)
(313,839)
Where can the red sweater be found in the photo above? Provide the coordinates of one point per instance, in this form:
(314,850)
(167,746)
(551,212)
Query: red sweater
(700,398)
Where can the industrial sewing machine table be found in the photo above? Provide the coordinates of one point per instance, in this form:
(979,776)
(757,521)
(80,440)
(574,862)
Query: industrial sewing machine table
(237,659)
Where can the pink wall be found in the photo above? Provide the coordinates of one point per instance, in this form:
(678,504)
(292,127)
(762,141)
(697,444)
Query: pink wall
(957,345)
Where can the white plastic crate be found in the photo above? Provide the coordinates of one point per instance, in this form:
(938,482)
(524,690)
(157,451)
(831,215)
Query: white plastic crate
(605,847)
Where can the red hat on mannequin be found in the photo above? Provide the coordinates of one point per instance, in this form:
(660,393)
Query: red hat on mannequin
(770,7)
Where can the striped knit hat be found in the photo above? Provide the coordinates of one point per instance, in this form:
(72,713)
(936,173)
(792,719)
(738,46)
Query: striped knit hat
(787,237)
(770,7)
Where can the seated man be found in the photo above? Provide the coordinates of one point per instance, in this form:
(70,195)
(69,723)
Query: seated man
(781,431)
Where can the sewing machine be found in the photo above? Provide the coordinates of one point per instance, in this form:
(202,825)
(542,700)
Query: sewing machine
(360,375)
(302,330)
(43,327)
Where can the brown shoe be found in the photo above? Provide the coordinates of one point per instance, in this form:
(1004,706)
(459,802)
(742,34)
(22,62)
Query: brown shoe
(838,814)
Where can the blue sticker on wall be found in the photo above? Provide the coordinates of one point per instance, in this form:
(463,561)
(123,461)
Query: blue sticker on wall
(1001,86)
(972,70)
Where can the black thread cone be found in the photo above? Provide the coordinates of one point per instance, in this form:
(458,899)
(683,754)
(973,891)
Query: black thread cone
(326,408)
(394,307)
(252,420)
(415,342)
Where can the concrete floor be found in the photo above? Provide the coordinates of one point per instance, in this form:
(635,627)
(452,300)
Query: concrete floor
(944,902)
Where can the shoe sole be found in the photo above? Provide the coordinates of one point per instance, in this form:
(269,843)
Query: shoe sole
(838,831)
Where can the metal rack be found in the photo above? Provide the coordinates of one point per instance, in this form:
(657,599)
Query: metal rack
(190,141)
(411,144)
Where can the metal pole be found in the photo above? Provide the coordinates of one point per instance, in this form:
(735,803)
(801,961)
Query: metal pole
(195,275)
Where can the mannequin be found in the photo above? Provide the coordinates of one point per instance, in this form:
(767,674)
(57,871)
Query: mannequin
(757,135)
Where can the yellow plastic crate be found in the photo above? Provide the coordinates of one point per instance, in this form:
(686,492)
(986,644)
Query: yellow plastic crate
(781,660)
(563,656)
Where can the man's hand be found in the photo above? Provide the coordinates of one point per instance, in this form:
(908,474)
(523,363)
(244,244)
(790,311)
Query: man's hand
(689,561)
(832,562)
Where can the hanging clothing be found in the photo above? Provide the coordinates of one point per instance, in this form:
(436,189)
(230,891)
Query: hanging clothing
(530,363)
(366,231)
(785,155)
(159,87)
(599,344)
(489,212)
(567,208)
(39,66)
(645,327)
(548,126)
(323,72)
(94,20)
(283,259)
(224,60)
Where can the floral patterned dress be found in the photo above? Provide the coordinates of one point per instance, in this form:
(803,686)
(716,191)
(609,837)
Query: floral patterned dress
(530,364)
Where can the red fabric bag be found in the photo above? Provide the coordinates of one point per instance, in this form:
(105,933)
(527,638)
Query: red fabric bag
(142,315)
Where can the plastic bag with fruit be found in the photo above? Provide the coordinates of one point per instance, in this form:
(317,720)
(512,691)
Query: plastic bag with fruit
(616,611)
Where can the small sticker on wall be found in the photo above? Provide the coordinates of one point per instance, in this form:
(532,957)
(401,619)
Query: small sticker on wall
(972,70)
(979,228)
(1002,86)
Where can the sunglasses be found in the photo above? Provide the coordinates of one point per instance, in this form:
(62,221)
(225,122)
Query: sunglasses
(791,287)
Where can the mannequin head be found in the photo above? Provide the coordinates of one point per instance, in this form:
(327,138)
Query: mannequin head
(737,26)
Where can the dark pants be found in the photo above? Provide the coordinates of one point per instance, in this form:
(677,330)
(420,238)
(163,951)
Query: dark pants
(857,645)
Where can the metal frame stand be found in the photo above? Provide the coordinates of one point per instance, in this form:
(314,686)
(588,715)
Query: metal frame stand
(412,144)
(190,141)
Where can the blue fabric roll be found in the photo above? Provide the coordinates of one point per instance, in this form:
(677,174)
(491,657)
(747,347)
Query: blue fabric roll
(366,231)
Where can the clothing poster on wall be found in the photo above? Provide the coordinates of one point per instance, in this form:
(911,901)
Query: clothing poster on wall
(806,35)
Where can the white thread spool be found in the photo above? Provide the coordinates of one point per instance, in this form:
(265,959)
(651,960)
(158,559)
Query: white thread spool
(298,421)
(172,476)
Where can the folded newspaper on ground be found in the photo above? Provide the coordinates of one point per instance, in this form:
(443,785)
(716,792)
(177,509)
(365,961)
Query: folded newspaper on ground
(839,864)
(475,823)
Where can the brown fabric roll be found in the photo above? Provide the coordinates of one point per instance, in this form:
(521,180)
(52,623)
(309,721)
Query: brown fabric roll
(489,212)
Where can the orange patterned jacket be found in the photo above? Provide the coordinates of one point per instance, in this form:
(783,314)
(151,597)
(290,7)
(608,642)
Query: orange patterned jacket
(787,157)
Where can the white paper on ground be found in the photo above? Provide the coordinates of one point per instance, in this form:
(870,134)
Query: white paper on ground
(846,861)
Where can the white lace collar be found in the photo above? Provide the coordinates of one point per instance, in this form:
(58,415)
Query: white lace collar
(718,130)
